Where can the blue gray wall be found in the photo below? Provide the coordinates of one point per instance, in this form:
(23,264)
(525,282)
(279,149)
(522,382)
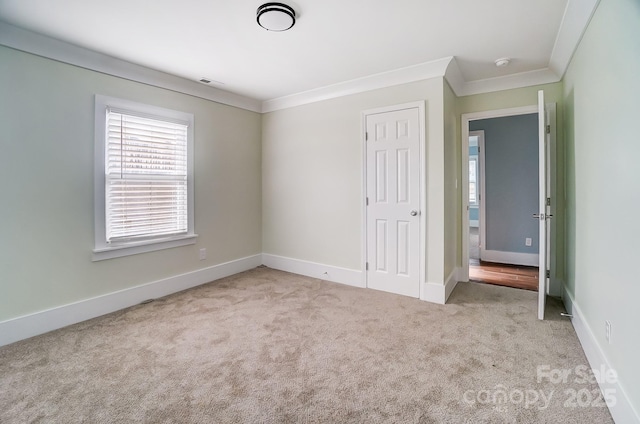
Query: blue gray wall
(511,181)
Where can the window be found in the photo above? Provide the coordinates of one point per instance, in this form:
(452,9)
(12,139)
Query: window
(473,181)
(143,178)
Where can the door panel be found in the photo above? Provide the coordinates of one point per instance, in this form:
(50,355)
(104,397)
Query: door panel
(403,248)
(382,181)
(403,175)
(393,192)
(381,246)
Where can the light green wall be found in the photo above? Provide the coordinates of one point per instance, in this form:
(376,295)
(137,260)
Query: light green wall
(46,177)
(452,186)
(526,97)
(312,176)
(602,106)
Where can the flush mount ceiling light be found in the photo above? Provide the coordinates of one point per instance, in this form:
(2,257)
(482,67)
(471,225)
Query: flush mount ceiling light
(276,17)
(502,62)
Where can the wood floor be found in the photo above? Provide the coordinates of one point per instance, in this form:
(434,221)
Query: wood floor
(521,277)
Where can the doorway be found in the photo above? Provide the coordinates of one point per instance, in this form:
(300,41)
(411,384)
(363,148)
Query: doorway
(503,196)
(477,248)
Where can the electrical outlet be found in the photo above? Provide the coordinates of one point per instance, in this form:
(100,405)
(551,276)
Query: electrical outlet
(607,331)
(203,254)
(527,241)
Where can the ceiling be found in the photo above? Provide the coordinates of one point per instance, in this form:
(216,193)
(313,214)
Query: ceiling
(333,40)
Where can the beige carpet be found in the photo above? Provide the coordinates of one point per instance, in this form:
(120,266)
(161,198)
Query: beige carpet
(266,346)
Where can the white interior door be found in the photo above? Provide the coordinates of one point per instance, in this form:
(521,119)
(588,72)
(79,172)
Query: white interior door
(393,201)
(542,214)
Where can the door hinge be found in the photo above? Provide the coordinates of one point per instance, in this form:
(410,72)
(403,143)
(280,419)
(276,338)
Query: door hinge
(548,274)
(367,200)
(366,266)
(366,136)
(548,201)
(548,129)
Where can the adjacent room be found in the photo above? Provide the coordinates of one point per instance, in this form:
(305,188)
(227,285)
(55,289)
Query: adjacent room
(411,211)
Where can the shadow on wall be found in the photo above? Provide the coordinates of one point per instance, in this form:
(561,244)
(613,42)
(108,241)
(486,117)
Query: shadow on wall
(570,192)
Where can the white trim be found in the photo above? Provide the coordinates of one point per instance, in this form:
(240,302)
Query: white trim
(101,254)
(422,71)
(623,411)
(51,319)
(514,258)
(577,16)
(51,48)
(439,293)
(103,250)
(507,82)
(454,77)
(423,195)
(331,273)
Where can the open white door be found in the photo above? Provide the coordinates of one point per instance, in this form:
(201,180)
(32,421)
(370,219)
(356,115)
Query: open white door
(542,207)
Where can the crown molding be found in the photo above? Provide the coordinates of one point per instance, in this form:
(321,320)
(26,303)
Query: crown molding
(51,48)
(421,71)
(523,79)
(507,82)
(575,20)
(577,16)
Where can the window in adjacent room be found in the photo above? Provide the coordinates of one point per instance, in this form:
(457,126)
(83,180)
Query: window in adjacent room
(473,181)
(143,178)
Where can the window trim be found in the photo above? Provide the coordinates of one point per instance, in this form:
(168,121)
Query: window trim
(103,250)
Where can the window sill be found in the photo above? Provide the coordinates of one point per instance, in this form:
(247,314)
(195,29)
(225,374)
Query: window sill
(103,253)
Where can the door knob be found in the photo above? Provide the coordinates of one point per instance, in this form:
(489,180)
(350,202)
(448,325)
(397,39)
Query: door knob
(413,212)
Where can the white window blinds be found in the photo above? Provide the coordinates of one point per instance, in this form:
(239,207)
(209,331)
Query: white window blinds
(145,177)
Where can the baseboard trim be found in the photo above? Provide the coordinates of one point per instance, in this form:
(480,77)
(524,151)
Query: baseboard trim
(439,293)
(350,277)
(41,322)
(623,411)
(514,258)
